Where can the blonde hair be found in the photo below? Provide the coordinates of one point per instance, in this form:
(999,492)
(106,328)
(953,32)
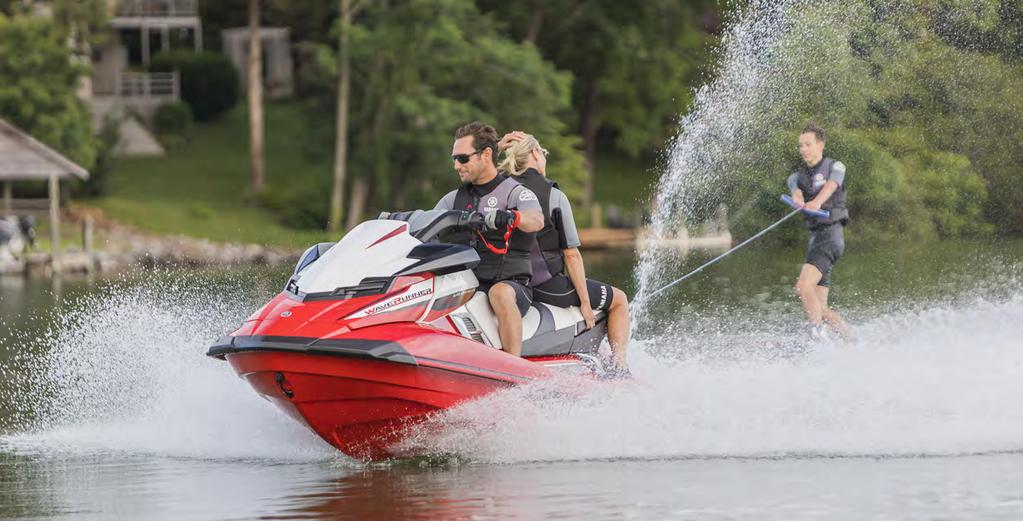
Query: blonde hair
(517,155)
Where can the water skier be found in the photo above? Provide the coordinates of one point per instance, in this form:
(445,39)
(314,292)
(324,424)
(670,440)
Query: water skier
(822,180)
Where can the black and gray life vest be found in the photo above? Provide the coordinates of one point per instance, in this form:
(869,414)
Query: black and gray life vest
(547,257)
(493,266)
(810,181)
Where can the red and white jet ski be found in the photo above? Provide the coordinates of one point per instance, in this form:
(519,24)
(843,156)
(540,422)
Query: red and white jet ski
(374,333)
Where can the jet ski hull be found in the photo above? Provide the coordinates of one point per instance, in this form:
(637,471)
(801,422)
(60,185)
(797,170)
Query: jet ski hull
(361,407)
(363,395)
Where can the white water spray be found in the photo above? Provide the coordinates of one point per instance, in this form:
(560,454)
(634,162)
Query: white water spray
(124,371)
(936,381)
(765,59)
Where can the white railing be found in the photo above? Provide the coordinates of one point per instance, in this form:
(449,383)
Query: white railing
(149,85)
(158,8)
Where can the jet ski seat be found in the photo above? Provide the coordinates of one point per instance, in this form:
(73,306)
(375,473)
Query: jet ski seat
(546,329)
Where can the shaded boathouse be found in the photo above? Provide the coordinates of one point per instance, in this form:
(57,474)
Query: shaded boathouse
(25,159)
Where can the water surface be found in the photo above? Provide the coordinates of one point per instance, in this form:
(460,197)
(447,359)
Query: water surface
(111,411)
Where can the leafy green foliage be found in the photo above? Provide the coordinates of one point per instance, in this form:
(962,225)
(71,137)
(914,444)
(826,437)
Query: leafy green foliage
(423,68)
(82,21)
(633,62)
(98,182)
(37,87)
(927,122)
(173,119)
(633,65)
(209,83)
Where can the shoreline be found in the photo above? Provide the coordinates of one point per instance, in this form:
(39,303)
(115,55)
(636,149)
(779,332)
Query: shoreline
(125,248)
(122,247)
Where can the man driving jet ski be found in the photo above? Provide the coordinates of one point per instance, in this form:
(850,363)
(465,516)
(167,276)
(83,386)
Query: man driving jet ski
(512,214)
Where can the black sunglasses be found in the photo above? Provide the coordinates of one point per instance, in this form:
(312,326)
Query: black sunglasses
(464,158)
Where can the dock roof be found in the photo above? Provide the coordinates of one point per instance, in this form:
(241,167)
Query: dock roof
(23,158)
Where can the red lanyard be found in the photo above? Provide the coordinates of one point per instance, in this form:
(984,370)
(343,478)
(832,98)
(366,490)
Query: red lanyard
(507,235)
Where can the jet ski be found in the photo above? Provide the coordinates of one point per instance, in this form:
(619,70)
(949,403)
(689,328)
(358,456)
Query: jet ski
(373,334)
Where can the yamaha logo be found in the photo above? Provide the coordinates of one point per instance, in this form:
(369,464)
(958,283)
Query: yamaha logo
(286,314)
(818,180)
(527,195)
(492,202)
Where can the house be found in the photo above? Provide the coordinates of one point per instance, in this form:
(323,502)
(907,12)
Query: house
(120,85)
(278,71)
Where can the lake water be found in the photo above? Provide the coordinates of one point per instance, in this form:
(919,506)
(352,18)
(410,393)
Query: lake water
(110,410)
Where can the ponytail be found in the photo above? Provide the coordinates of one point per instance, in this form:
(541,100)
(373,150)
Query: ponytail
(517,155)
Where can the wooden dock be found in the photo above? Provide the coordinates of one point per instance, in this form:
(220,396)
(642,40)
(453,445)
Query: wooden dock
(42,263)
(630,238)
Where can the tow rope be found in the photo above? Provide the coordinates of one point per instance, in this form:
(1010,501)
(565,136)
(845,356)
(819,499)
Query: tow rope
(785,199)
(507,235)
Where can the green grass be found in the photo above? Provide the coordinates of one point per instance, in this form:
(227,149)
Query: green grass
(201,188)
(70,236)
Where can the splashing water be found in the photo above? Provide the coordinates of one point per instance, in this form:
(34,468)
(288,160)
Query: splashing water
(764,61)
(124,371)
(936,381)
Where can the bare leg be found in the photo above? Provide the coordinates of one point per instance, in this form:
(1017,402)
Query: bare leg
(509,321)
(829,315)
(806,288)
(618,327)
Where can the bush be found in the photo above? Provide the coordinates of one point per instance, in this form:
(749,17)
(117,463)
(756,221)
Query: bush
(109,136)
(38,76)
(209,83)
(300,206)
(173,119)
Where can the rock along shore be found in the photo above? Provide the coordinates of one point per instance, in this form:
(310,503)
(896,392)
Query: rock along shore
(118,247)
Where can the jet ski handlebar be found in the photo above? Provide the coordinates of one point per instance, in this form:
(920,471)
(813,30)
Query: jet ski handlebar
(426,225)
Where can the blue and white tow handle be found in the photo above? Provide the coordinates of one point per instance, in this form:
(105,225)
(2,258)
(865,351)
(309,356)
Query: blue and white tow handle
(785,198)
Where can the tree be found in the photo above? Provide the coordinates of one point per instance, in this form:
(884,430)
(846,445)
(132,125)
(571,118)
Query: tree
(255,99)
(38,80)
(425,67)
(343,90)
(633,64)
(83,21)
(309,20)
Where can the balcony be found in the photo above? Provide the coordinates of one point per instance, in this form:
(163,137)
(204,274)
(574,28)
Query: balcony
(163,86)
(142,92)
(161,17)
(157,8)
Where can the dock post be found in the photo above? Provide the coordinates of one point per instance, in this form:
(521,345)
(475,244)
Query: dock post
(54,193)
(8,197)
(87,243)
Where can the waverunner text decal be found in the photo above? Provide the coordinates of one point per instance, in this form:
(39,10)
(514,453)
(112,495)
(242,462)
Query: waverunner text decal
(397,300)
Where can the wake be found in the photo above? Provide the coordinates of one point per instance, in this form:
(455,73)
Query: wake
(935,381)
